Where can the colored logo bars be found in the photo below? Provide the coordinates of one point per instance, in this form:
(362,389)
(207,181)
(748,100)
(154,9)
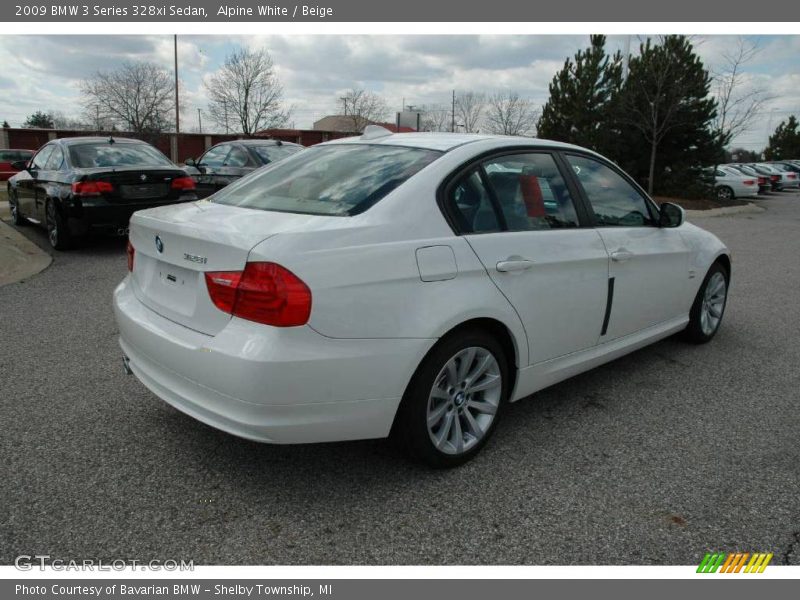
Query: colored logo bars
(734,562)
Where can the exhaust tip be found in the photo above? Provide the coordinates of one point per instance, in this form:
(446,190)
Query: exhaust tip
(126,364)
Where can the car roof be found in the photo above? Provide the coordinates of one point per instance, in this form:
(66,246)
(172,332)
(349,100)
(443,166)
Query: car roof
(98,139)
(444,142)
(260,142)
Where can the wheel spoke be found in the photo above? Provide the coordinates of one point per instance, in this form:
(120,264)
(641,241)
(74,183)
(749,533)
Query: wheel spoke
(479,370)
(473,426)
(435,416)
(714,311)
(487,383)
(483,406)
(467,357)
(452,373)
(458,434)
(444,432)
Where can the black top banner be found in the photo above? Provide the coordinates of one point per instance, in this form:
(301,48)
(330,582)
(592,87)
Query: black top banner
(405,11)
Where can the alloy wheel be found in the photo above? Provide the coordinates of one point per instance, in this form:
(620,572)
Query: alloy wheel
(713,303)
(464,400)
(52,225)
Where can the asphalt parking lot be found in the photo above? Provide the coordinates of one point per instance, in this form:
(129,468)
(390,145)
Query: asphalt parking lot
(655,458)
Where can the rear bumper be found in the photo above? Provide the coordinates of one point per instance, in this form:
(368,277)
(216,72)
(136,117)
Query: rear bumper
(269,384)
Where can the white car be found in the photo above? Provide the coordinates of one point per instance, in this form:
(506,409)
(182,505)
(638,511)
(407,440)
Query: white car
(730,183)
(409,284)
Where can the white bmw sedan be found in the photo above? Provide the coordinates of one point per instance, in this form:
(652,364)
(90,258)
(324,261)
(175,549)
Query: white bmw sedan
(408,284)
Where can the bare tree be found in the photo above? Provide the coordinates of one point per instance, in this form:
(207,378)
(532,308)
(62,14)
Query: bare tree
(509,114)
(246,91)
(139,97)
(737,104)
(469,110)
(435,118)
(363,107)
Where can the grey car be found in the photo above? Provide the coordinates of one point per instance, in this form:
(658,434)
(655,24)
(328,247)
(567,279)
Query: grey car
(228,161)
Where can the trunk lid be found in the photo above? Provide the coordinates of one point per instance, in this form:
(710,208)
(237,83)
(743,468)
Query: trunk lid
(136,184)
(195,238)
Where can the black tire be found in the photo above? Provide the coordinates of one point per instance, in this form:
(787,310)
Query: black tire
(17,218)
(58,233)
(695,331)
(725,193)
(411,425)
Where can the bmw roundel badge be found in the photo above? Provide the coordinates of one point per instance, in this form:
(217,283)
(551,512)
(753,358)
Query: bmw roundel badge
(159,245)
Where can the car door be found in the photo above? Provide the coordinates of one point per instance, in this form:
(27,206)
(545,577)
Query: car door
(209,165)
(26,190)
(518,214)
(648,265)
(45,179)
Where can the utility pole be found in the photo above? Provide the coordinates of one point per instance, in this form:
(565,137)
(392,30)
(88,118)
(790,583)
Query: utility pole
(97,117)
(177,103)
(453,115)
(199,121)
(344,102)
(225,108)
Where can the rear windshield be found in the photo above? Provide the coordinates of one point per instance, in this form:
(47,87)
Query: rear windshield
(104,154)
(338,180)
(268,154)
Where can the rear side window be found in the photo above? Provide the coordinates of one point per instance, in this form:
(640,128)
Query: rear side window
(237,158)
(473,206)
(338,180)
(118,154)
(531,192)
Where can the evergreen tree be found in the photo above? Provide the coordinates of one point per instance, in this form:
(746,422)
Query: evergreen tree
(6,125)
(39,120)
(581,97)
(785,142)
(665,116)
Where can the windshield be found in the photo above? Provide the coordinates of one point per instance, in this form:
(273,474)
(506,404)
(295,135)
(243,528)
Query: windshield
(344,179)
(118,154)
(268,154)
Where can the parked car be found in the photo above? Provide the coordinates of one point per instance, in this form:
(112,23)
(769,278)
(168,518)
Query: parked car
(408,284)
(764,180)
(8,158)
(228,161)
(778,178)
(729,184)
(74,186)
(790,171)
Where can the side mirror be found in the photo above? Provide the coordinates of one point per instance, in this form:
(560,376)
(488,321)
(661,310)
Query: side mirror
(671,215)
(20,165)
(190,162)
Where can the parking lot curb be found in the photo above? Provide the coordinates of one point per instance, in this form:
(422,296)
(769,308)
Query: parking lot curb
(19,257)
(725,211)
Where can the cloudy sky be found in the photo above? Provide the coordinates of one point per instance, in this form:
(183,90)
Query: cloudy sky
(43,72)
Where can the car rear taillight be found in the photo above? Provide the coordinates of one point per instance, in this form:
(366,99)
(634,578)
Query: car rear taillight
(131,253)
(748,182)
(762,181)
(91,188)
(775,177)
(183,183)
(791,175)
(264,292)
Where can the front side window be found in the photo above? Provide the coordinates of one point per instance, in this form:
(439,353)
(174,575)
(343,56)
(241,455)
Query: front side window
(215,157)
(615,202)
(40,160)
(530,192)
(56,160)
(117,154)
(336,180)
(237,157)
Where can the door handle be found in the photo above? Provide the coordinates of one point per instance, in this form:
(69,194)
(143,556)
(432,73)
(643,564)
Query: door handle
(621,255)
(513,263)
